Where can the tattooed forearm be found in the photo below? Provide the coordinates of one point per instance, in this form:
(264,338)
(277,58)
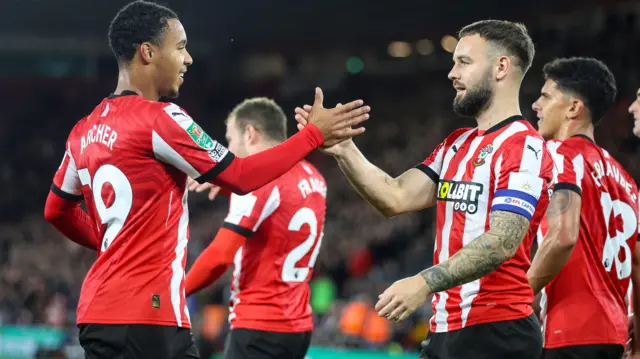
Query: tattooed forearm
(482,255)
(560,202)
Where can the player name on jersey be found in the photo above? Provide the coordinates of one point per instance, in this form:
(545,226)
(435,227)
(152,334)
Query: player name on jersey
(312,185)
(102,134)
(614,172)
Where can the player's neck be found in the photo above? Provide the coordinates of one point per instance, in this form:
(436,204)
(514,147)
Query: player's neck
(500,108)
(263,146)
(129,81)
(575,128)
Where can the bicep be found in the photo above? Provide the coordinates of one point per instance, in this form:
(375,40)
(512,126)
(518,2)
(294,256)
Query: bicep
(509,228)
(416,190)
(563,215)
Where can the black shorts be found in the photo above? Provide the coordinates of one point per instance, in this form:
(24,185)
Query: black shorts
(256,344)
(595,351)
(512,339)
(120,341)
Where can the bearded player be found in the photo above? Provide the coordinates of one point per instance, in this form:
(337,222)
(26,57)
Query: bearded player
(489,185)
(584,262)
(272,236)
(129,161)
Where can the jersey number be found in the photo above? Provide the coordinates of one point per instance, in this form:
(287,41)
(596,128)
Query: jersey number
(291,273)
(612,245)
(114,216)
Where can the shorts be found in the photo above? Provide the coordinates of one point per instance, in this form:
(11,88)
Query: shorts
(257,344)
(120,341)
(595,351)
(512,339)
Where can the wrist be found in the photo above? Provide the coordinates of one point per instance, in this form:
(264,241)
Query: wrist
(314,134)
(342,151)
(424,286)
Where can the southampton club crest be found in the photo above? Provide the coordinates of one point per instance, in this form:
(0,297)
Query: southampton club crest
(484,152)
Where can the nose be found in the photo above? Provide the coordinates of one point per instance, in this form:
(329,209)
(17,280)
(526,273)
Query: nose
(188,60)
(454,74)
(535,106)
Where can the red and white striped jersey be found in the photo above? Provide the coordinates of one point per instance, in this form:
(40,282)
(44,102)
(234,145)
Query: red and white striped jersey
(283,223)
(586,303)
(505,168)
(129,160)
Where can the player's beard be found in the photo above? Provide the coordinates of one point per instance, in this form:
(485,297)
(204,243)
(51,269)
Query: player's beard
(476,99)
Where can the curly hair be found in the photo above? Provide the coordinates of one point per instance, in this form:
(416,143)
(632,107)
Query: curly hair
(136,23)
(588,78)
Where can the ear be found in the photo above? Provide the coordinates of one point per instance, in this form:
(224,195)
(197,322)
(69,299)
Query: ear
(147,52)
(252,136)
(503,66)
(576,109)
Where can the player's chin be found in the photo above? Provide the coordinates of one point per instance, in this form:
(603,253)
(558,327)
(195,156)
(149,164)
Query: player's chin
(173,93)
(636,128)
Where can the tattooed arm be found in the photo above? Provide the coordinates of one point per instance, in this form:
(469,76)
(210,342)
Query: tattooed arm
(482,255)
(563,215)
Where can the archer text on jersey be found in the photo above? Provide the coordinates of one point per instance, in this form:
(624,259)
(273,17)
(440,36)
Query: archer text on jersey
(614,172)
(311,185)
(99,134)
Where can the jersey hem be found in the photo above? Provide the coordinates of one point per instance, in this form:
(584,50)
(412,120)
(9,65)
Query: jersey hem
(133,322)
(271,328)
(583,342)
(452,328)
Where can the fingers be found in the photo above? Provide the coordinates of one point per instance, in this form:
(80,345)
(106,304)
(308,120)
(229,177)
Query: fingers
(349,106)
(364,110)
(300,127)
(348,133)
(192,184)
(383,300)
(319,98)
(203,187)
(397,313)
(307,108)
(389,308)
(213,193)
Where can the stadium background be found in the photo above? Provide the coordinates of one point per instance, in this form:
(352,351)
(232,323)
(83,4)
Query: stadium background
(55,66)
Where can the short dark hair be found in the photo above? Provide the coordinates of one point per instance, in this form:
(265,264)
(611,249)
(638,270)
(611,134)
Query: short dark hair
(264,114)
(137,22)
(586,77)
(511,36)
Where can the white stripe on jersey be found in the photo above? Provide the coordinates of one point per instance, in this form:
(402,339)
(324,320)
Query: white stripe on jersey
(71,182)
(177,272)
(578,168)
(237,270)
(473,229)
(165,153)
(273,202)
(532,156)
(177,114)
(436,165)
(441,311)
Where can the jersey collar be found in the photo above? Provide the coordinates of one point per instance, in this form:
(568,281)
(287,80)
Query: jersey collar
(501,124)
(123,93)
(585,137)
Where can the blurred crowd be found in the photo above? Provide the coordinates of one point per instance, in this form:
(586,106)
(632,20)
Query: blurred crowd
(362,253)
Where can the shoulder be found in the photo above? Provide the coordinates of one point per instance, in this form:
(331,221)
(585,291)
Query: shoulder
(459,134)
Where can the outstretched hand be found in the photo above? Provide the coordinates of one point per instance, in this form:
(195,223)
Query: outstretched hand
(334,149)
(336,124)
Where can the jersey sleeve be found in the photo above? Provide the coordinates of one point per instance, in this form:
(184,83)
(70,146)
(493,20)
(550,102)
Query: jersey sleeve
(178,140)
(432,165)
(569,168)
(519,175)
(66,182)
(246,213)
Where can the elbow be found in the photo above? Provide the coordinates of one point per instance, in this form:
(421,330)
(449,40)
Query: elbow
(567,239)
(50,214)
